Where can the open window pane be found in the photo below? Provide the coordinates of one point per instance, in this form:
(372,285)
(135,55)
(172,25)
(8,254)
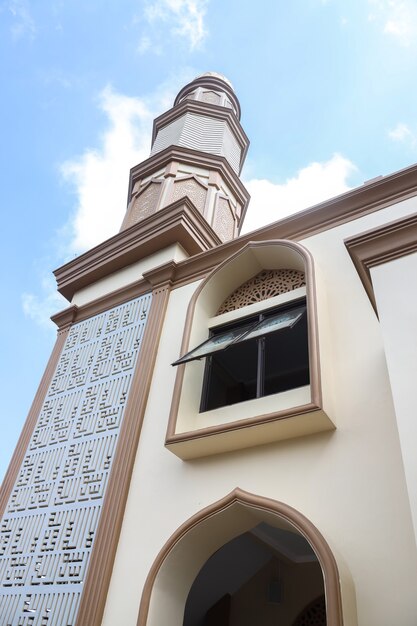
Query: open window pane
(215,343)
(279,321)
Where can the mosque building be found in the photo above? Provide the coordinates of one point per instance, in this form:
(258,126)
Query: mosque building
(225,432)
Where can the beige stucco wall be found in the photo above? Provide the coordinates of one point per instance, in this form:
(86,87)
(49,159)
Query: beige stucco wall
(350,483)
(394,287)
(128,275)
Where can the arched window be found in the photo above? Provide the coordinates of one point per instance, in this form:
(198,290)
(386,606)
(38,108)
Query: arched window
(250,354)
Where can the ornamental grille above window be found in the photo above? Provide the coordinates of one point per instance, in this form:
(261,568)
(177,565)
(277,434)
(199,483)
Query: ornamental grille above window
(266,284)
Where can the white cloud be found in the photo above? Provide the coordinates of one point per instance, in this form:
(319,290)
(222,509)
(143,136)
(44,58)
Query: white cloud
(100,176)
(184,19)
(312,184)
(402,133)
(399,133)
(39,308)
(398,18)
(23,22)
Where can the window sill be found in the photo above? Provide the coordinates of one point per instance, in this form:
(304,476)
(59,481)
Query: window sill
(222,433)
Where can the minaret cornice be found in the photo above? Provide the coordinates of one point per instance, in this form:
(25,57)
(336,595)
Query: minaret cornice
(191,157)
(211,82)
(179,223)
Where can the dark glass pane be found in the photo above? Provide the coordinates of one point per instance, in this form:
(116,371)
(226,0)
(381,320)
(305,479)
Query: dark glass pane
(232,375)
(286,359)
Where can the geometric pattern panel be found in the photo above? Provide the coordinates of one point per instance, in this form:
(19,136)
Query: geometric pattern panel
(192,189)
(145,203)
(266,284)
(224,223)
(48,529)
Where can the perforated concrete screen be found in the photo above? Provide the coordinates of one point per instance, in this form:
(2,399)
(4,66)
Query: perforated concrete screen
(48,530)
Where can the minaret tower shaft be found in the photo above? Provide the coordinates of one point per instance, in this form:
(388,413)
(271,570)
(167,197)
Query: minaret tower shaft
(198,150)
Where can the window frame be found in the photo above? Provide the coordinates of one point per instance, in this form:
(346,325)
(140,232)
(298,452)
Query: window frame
(298,305)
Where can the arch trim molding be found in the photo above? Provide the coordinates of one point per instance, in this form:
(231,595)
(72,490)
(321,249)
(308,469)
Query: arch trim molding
(306,528)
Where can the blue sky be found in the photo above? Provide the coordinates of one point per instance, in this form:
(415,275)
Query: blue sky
(328,96)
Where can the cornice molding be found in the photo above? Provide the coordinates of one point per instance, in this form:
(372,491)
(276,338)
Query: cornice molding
(381,245)
(161,276)
(129,245)
(208,110)
(190,157)
(109,301)
(64,319)
(180,222)
(350,206)
(211,82)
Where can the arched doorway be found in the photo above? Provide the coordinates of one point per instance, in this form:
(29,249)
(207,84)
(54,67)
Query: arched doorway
(189,549)
(266,576)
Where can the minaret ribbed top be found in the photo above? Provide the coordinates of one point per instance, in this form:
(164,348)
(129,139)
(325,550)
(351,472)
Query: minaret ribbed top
(205,117)
(212,88)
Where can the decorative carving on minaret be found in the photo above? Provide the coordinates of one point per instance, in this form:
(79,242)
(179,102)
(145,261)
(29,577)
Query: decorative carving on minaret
(224,220)
(193,189)
(145,202)
(202,136)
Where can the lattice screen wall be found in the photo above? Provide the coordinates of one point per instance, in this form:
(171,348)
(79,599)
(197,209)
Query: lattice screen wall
(48,529)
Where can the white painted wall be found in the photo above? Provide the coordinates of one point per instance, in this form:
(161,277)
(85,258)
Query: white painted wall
(395,292)
(350,483)
(128,275)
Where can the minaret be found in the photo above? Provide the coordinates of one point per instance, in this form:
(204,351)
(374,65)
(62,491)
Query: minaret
(198,150)
(64,493)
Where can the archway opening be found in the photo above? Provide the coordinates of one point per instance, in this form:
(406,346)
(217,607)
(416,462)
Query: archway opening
(265,576)
(188,550)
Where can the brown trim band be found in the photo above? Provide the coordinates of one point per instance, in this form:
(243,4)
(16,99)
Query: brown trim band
(31,420)
(99,305)
(352,205)
(190,156)
(97,581)
(200,433)
(212,82)
(292,516)
(161,275)
(381,245)
(179,222)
